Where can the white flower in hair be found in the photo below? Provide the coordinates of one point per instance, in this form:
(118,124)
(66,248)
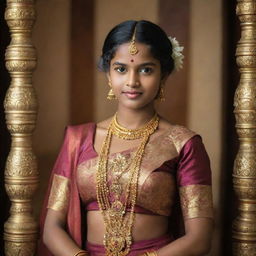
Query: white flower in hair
(177,53)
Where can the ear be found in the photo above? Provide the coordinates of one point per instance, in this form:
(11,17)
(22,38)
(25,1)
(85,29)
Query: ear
(163,79)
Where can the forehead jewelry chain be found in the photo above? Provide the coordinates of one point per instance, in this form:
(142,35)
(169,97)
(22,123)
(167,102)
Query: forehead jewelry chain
(118,221)
(132,47)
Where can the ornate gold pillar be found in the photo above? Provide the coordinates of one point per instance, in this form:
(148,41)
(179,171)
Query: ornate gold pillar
(244,174)
(21,175)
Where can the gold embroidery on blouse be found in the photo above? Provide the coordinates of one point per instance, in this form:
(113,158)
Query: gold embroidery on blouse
(59,195)
(156,190)
(180,135)
(196,201)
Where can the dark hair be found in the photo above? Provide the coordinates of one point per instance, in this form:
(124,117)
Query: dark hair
(147,33)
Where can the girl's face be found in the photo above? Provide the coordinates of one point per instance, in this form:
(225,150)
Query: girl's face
(136,78)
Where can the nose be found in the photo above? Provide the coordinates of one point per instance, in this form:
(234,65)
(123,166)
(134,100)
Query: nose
(133,80)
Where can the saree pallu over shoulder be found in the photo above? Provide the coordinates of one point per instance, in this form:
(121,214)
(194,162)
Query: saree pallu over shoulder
(62,177)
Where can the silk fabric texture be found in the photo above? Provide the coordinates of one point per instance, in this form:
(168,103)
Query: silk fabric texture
(180,160)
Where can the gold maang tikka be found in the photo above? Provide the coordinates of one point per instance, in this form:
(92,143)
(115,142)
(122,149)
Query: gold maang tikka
(132,47)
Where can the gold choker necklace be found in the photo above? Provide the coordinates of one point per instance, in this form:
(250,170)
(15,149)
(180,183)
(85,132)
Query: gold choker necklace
(118,221)
(132,134)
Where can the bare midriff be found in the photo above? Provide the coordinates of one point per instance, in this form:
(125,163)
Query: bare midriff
(145,227)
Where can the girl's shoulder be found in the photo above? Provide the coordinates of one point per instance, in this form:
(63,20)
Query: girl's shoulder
(102,127)
(80,132)
(104,124)
(78,129)
(178,134)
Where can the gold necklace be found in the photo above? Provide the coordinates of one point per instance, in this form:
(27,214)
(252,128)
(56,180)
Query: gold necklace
(132,134)
(119,222)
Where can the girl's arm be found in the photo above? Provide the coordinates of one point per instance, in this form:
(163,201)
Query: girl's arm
(196,241)
(55,237)
(194,180)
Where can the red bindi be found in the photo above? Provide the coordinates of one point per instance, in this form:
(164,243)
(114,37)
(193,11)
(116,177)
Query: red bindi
(132,60)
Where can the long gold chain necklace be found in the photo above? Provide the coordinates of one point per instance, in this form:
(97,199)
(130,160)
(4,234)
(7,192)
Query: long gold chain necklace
(119,222)
(119,165)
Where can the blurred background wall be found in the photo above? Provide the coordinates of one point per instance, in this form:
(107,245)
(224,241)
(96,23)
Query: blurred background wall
(69,35)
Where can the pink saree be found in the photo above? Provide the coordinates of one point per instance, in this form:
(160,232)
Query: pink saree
(137,248)
(189,166)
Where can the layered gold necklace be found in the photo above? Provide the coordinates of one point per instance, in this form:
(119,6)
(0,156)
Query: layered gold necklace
(118,221)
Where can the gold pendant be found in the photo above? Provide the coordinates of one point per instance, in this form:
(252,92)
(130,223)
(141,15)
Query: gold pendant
(117,207)
(116,188)
(117,244)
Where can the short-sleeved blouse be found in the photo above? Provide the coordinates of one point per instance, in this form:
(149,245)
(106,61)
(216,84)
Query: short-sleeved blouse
(174,163)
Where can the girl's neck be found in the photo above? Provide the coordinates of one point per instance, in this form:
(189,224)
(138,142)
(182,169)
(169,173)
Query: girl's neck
(134,119)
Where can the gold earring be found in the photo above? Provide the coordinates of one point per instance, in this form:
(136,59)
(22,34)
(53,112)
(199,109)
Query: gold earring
(160,95)
(111,95)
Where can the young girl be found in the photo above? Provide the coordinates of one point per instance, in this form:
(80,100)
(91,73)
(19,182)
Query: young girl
(116,183)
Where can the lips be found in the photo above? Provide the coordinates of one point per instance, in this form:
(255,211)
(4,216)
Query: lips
(132,94)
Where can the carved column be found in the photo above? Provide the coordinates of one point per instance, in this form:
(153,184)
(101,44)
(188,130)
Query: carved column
(21,175)
(244,174)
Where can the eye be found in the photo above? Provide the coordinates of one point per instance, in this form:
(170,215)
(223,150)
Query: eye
(146,70)
(120,69)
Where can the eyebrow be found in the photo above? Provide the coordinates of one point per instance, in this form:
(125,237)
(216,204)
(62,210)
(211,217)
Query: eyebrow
(118,63)
(143,64)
